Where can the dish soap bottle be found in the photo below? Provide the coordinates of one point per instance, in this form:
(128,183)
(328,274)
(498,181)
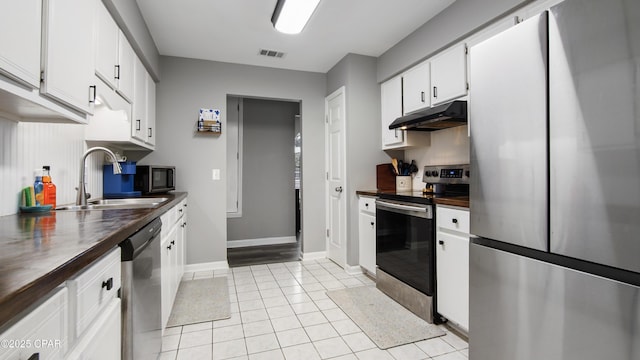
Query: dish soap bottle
(49,189)
(38,188)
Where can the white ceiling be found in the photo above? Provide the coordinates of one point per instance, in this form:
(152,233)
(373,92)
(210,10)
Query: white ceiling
(234,30)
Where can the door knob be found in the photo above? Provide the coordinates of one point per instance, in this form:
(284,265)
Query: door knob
(339,189)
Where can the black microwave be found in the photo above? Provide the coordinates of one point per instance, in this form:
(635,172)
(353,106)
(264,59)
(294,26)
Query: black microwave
(153,179)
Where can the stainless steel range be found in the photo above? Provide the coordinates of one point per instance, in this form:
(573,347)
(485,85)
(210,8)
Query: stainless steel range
(405,238)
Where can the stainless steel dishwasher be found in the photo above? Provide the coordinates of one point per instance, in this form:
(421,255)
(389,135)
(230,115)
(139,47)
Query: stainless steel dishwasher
(140,294)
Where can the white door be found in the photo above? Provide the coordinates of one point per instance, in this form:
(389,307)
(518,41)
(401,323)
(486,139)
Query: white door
(336,169)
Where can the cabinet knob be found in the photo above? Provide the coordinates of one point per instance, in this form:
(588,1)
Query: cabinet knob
(180,210)
(138,125)
(108,284)
(366,204)
(372,223)
(422,96)
(441,242)
(173,242)
(169,247)
(435,91)
(454,220)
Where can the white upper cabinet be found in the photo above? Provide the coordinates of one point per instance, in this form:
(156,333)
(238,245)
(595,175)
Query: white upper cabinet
(107,34)
(139,120)
(20,32)
(449,74)
(391,108)
(68,53)
(124,69)
(151,111)
(114,55)
(416,86)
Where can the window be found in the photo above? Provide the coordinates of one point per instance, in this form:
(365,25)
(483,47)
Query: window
(234,157)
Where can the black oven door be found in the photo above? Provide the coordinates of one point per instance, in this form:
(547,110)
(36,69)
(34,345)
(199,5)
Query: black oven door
(405,245)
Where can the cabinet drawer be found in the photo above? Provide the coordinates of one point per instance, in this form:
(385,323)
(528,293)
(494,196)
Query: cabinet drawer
(94,288)
(367,204)
(43,331)
(456,219)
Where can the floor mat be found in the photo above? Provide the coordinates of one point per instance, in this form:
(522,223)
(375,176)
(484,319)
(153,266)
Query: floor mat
(385,322)
(199,301)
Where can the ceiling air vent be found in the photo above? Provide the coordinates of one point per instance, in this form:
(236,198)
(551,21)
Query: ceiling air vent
(271,53)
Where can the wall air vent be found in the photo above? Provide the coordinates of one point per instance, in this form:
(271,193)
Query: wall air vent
(271,53)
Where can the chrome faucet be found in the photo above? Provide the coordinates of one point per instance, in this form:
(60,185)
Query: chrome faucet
(81,199)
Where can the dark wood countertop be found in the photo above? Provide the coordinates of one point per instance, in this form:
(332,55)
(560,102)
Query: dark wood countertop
(41,251)
(461,201)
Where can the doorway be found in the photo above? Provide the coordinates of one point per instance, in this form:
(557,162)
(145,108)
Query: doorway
(262,158)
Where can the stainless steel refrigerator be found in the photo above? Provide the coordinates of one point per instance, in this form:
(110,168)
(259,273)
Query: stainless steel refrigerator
(554,111)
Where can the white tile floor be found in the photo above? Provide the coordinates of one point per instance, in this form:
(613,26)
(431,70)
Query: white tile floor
(281,311)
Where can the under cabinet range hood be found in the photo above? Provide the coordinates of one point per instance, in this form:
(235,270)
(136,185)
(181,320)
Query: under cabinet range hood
(436,118)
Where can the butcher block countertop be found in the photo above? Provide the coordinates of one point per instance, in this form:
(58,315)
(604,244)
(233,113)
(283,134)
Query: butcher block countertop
(41,251)
(461,201)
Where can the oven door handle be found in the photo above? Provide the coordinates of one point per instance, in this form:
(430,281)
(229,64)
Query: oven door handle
(423,210)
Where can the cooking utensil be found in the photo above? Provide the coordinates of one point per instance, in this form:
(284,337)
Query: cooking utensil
(413,168)
(394,163)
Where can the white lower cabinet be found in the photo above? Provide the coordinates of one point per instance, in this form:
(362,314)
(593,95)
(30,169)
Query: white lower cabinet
(452,264)
(95,309)
(42,333)
(103,340)
(80,319)
(172,256)
(367,234)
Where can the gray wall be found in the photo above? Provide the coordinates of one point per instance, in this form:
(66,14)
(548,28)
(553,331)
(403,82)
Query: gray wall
(188,85)
(128,16)
(457,21)
(358,74)
(268,193)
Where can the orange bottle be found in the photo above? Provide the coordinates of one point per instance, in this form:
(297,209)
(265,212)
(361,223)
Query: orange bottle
(49,190)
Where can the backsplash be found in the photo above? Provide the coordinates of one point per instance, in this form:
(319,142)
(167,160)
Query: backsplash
(448,147)
(27,146)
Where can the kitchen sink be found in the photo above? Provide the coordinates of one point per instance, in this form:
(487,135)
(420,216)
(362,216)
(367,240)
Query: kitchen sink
(105,204)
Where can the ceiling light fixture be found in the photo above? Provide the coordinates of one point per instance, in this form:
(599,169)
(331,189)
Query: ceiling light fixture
(291,16)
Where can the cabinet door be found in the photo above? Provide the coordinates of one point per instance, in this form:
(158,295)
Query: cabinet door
(20,31)
(125,68)
(106,54)
(368,242)
(391,109)
(452,272)
(416,86)
(43,331)
(103,339)
(449,74)
(139,120)
(68,53)
(168,262)
(151,111)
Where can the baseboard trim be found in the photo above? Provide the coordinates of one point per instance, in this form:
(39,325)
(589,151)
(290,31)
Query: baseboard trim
(216,265)
(307,256)
(260,241)
(353,270)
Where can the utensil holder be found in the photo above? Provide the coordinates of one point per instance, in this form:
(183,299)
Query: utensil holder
(403,183)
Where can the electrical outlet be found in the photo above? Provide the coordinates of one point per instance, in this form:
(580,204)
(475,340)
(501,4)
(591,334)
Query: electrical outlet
(215,174)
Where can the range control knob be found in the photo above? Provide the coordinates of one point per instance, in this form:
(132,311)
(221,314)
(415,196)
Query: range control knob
(466,173)
(434,173)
